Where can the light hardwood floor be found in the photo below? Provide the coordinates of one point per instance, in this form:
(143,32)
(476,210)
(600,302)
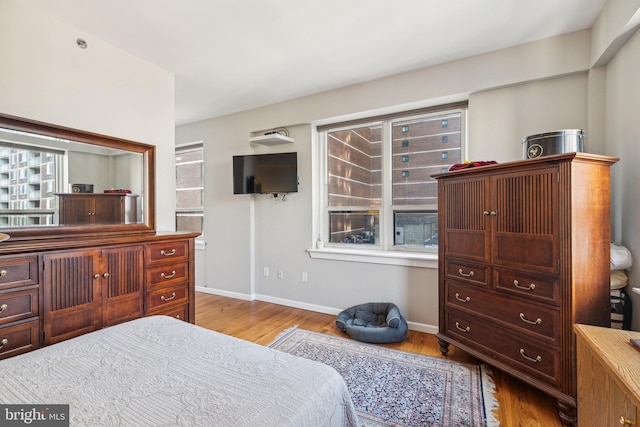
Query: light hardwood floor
(519,404)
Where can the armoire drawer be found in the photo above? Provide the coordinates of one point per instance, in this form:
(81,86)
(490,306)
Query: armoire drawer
(542,321)
(521,352)
(180,312)
(167,274)
(473,274)
(176,250)
(544,289)
(167,296)
(18,271)
(19,338)
(18,304)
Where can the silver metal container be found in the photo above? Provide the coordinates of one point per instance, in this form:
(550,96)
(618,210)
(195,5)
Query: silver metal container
(556,142)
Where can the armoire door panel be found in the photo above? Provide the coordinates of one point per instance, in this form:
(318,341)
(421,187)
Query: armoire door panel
(539,253)
(107,210)
(465,218)
(72,294)
(527,219)
(123,279)
(76,211)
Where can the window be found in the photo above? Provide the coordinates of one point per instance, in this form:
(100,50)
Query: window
(190,188)
(29,204)
(378,190)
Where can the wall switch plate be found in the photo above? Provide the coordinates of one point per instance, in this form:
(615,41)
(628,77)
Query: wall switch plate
(265,271)
(280,274)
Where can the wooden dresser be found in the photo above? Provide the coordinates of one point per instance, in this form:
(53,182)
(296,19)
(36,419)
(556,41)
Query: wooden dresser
(523,255)
(65,288)
(608,377)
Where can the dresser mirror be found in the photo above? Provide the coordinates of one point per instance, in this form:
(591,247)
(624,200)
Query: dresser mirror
(57,181)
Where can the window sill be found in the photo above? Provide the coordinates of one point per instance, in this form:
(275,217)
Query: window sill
(406,259)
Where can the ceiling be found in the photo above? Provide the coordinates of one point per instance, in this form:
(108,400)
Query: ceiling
(234,55)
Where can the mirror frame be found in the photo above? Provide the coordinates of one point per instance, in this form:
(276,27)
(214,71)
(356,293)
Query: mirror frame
(58,231)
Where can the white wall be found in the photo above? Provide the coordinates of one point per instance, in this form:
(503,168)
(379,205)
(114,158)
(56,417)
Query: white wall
(622,115)
(512,93)
(499,119)
(45,76)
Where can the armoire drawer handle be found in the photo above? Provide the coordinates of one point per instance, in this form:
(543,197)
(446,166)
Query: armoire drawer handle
(3,307)
(465,330)
(3,273)
(524,288)
(467,299)
(163,253)
(462,273)
(530,359)
(163,298)
(3,343)
(625,422)
(168,276)
(538,321)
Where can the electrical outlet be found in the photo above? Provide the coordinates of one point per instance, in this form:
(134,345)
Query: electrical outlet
(280,274)
(304,277)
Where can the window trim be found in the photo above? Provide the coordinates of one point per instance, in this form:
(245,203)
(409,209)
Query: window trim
(385,253)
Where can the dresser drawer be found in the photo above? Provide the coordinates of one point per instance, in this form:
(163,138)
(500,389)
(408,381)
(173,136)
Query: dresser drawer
(167,296)
(180,312)
(168,274)
(544,289)
(175,250)
(521,352)
(469,273)
(18,271)
(20,338)
(18,304)
(543,322)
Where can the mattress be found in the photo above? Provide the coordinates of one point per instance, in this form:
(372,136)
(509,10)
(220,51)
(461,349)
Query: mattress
(158,371)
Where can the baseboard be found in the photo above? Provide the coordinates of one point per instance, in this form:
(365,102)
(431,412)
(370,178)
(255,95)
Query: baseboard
(223,293)
(419,327)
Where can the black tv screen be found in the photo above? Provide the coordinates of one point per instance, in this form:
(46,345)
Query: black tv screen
(265,173)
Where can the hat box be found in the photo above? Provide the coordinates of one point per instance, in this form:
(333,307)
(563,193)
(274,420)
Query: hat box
(556,142)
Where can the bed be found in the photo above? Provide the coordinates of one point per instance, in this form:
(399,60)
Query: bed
(158,371)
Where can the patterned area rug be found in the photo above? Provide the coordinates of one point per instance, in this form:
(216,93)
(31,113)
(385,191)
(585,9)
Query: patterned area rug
(396,388)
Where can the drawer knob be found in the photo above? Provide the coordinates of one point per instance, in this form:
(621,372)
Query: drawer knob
(3,273)
(163,298)
(524,288)
(459,298)
(96,276)
(4,342)
(626,422)
(460,328)
(462,273)
(163,253)
(538,321)
(178,317)
(105,275)
(168,276)
(3,307)
(537,359)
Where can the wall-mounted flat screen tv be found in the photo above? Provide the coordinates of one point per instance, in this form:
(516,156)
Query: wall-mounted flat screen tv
(265,173)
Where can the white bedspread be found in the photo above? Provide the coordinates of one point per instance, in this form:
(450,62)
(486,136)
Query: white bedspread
(159,371)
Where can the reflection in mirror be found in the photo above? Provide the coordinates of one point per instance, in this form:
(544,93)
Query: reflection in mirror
(60,182)
(53,181)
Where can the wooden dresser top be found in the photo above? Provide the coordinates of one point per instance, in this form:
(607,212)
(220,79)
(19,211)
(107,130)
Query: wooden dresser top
(613,349)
